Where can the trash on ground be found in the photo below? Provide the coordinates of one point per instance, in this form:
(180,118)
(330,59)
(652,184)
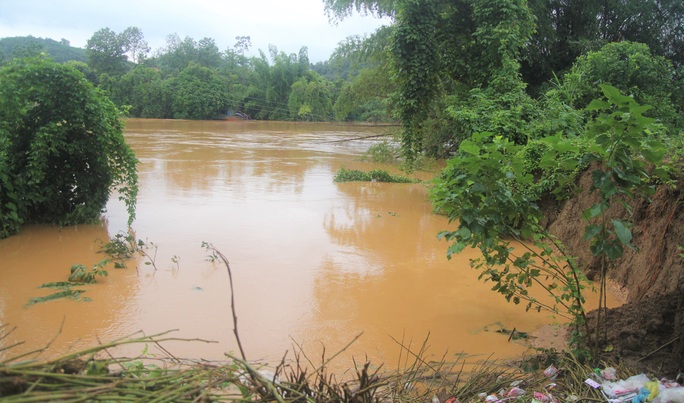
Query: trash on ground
(635,389)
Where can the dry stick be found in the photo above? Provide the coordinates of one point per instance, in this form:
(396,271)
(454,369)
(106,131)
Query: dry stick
(325,363)
(110,354)
(152,338)
(257,378)
(419,361)
(167,352)
(232,301)
(39,351)
(658,349)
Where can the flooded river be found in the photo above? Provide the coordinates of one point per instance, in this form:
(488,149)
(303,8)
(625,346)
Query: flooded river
(315,263)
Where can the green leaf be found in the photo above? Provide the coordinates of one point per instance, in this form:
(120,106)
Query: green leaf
(469,147)
(463,234)
(614,95)
(566,146)
(57,295)
(597,105)
(591,231)
(623,233)
(61,284)
(595,210)
(653,156)
(613,250)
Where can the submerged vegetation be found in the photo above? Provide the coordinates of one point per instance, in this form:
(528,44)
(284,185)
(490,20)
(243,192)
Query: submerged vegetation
(376,175)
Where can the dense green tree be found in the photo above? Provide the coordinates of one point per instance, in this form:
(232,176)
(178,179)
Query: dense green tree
(134,44)
(564,29)
(366,97)
(268,94)
(632,68)
(208,54)
(198,93)
(236,67)
(84,69)
(177,54)
(340,9)
(364,65)
(255,102)
(311,98)
(144,92)
(568,29)
(468,50)
(106,53)
(62,148)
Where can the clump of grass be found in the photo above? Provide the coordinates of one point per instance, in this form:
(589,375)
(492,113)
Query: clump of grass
(376,175)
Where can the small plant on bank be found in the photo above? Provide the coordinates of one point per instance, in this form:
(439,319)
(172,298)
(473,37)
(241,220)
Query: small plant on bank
(478,189)
(376,175)
(627,161)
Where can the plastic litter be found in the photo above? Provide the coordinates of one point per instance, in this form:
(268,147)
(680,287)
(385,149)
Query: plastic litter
(608,374)
(670,395)
(625,388)
(551,371)
(636,389)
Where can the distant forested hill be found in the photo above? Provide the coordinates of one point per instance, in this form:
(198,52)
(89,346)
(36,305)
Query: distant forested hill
(27,45)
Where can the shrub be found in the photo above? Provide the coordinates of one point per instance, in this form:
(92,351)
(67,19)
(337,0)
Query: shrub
(61,147)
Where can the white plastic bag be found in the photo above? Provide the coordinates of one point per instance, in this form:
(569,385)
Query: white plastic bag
(670,395)
(625,387)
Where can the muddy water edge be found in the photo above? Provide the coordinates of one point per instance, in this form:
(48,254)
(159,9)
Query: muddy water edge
(315,263)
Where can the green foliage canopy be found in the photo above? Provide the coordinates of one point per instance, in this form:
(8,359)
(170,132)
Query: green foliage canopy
(61,147)
(198,93)
(630,67)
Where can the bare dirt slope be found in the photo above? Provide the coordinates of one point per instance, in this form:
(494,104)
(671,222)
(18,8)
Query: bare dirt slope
(652,277)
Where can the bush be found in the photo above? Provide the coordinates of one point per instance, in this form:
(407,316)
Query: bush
(632,69)
(61,147)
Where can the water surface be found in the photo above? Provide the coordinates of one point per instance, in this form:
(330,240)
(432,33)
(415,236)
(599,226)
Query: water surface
(315,263)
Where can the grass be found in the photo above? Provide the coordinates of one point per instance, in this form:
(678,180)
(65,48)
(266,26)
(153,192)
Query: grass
(95,374)
(376,175)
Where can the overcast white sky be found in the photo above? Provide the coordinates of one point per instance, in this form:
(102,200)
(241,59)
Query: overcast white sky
(287,24)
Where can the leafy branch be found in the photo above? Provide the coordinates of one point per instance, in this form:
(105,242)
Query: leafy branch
(480,190)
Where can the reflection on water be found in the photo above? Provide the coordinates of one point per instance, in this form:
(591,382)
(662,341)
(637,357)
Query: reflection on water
(314,262)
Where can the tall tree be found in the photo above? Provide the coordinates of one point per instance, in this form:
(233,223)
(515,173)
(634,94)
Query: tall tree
(134,44)
(106,53)
(208,54)
(311,98)
(364,64)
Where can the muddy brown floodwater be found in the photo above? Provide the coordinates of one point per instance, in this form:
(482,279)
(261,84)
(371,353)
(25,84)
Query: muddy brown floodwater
(314,262)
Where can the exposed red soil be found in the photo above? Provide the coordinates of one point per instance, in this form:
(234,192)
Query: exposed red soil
(641,333)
